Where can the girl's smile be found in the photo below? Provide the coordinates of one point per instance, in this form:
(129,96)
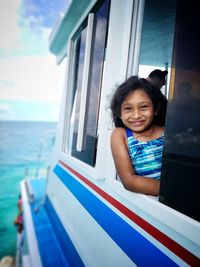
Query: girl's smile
(137,111)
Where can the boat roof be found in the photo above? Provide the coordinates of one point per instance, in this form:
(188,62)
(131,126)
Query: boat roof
(64,26)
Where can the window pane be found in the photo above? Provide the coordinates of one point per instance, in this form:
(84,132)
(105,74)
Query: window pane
(157,37)
(88,155)
(79,52)
(180,181)
(78,77)
(95,81)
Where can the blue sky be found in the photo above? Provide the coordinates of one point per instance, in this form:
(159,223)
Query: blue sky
(30,81)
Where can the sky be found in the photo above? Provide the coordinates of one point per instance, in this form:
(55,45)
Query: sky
(30,81)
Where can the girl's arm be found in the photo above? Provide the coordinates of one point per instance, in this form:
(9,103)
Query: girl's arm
(130,180)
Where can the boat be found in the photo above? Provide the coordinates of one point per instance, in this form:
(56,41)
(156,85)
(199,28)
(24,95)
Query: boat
(81,214)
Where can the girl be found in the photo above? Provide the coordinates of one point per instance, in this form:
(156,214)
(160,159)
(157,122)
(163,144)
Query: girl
(137,140)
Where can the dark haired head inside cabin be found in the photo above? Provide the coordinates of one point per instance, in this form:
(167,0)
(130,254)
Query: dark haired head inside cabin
(128,87)
(158,78)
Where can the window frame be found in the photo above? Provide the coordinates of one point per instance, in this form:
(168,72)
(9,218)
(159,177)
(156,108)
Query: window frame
(85,81)
(91,172)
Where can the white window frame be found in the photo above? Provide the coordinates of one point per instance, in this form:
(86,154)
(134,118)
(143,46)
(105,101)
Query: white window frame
(115,71)
(84,90)
(90,172)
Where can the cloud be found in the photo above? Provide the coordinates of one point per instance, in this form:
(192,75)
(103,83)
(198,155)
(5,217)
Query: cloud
(6,83)
(6,111)
(36,22)
(28,71)
(25,25)
(43,11)
(4,107)
(9,30)
(35,78)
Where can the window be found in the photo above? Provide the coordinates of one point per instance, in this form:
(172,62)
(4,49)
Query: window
(157,38)
(89,44)
(180,181)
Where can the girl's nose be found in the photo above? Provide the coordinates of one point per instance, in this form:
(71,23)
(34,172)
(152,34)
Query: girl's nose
(136,114)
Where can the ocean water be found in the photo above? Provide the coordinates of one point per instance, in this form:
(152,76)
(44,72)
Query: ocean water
(23,146)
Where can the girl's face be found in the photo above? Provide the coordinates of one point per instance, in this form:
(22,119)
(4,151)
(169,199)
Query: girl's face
(137,111)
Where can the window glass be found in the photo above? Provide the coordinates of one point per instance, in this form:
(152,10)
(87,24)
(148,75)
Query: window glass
(157,38)
(180,181)
(79,51)
(88,153)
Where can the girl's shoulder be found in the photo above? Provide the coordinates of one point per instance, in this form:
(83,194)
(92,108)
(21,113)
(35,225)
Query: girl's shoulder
(118,138)
(119,133)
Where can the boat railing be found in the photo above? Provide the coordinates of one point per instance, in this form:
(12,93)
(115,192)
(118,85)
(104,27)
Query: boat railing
(48,137)
(28,187)
(47,140)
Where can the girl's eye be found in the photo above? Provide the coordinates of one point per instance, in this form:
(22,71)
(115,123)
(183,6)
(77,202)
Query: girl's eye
(144,107)
(127,108)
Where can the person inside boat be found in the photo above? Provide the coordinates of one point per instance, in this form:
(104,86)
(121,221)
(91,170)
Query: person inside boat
(137,140)
(158,79)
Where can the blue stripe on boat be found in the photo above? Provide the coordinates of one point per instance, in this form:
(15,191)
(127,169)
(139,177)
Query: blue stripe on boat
(55,247)
(141,251)
(66,244)
(50,251)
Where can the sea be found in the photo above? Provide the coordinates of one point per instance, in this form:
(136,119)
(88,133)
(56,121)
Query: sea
(25,147)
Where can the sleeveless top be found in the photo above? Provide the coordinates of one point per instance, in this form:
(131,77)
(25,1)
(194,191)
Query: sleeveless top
(146,156)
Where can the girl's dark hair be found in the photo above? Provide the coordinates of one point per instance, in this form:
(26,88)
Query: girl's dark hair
(129,86)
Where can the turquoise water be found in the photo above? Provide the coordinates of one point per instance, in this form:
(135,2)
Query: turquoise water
(20,146)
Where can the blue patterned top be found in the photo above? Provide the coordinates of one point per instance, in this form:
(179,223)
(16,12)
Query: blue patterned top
(146,156)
